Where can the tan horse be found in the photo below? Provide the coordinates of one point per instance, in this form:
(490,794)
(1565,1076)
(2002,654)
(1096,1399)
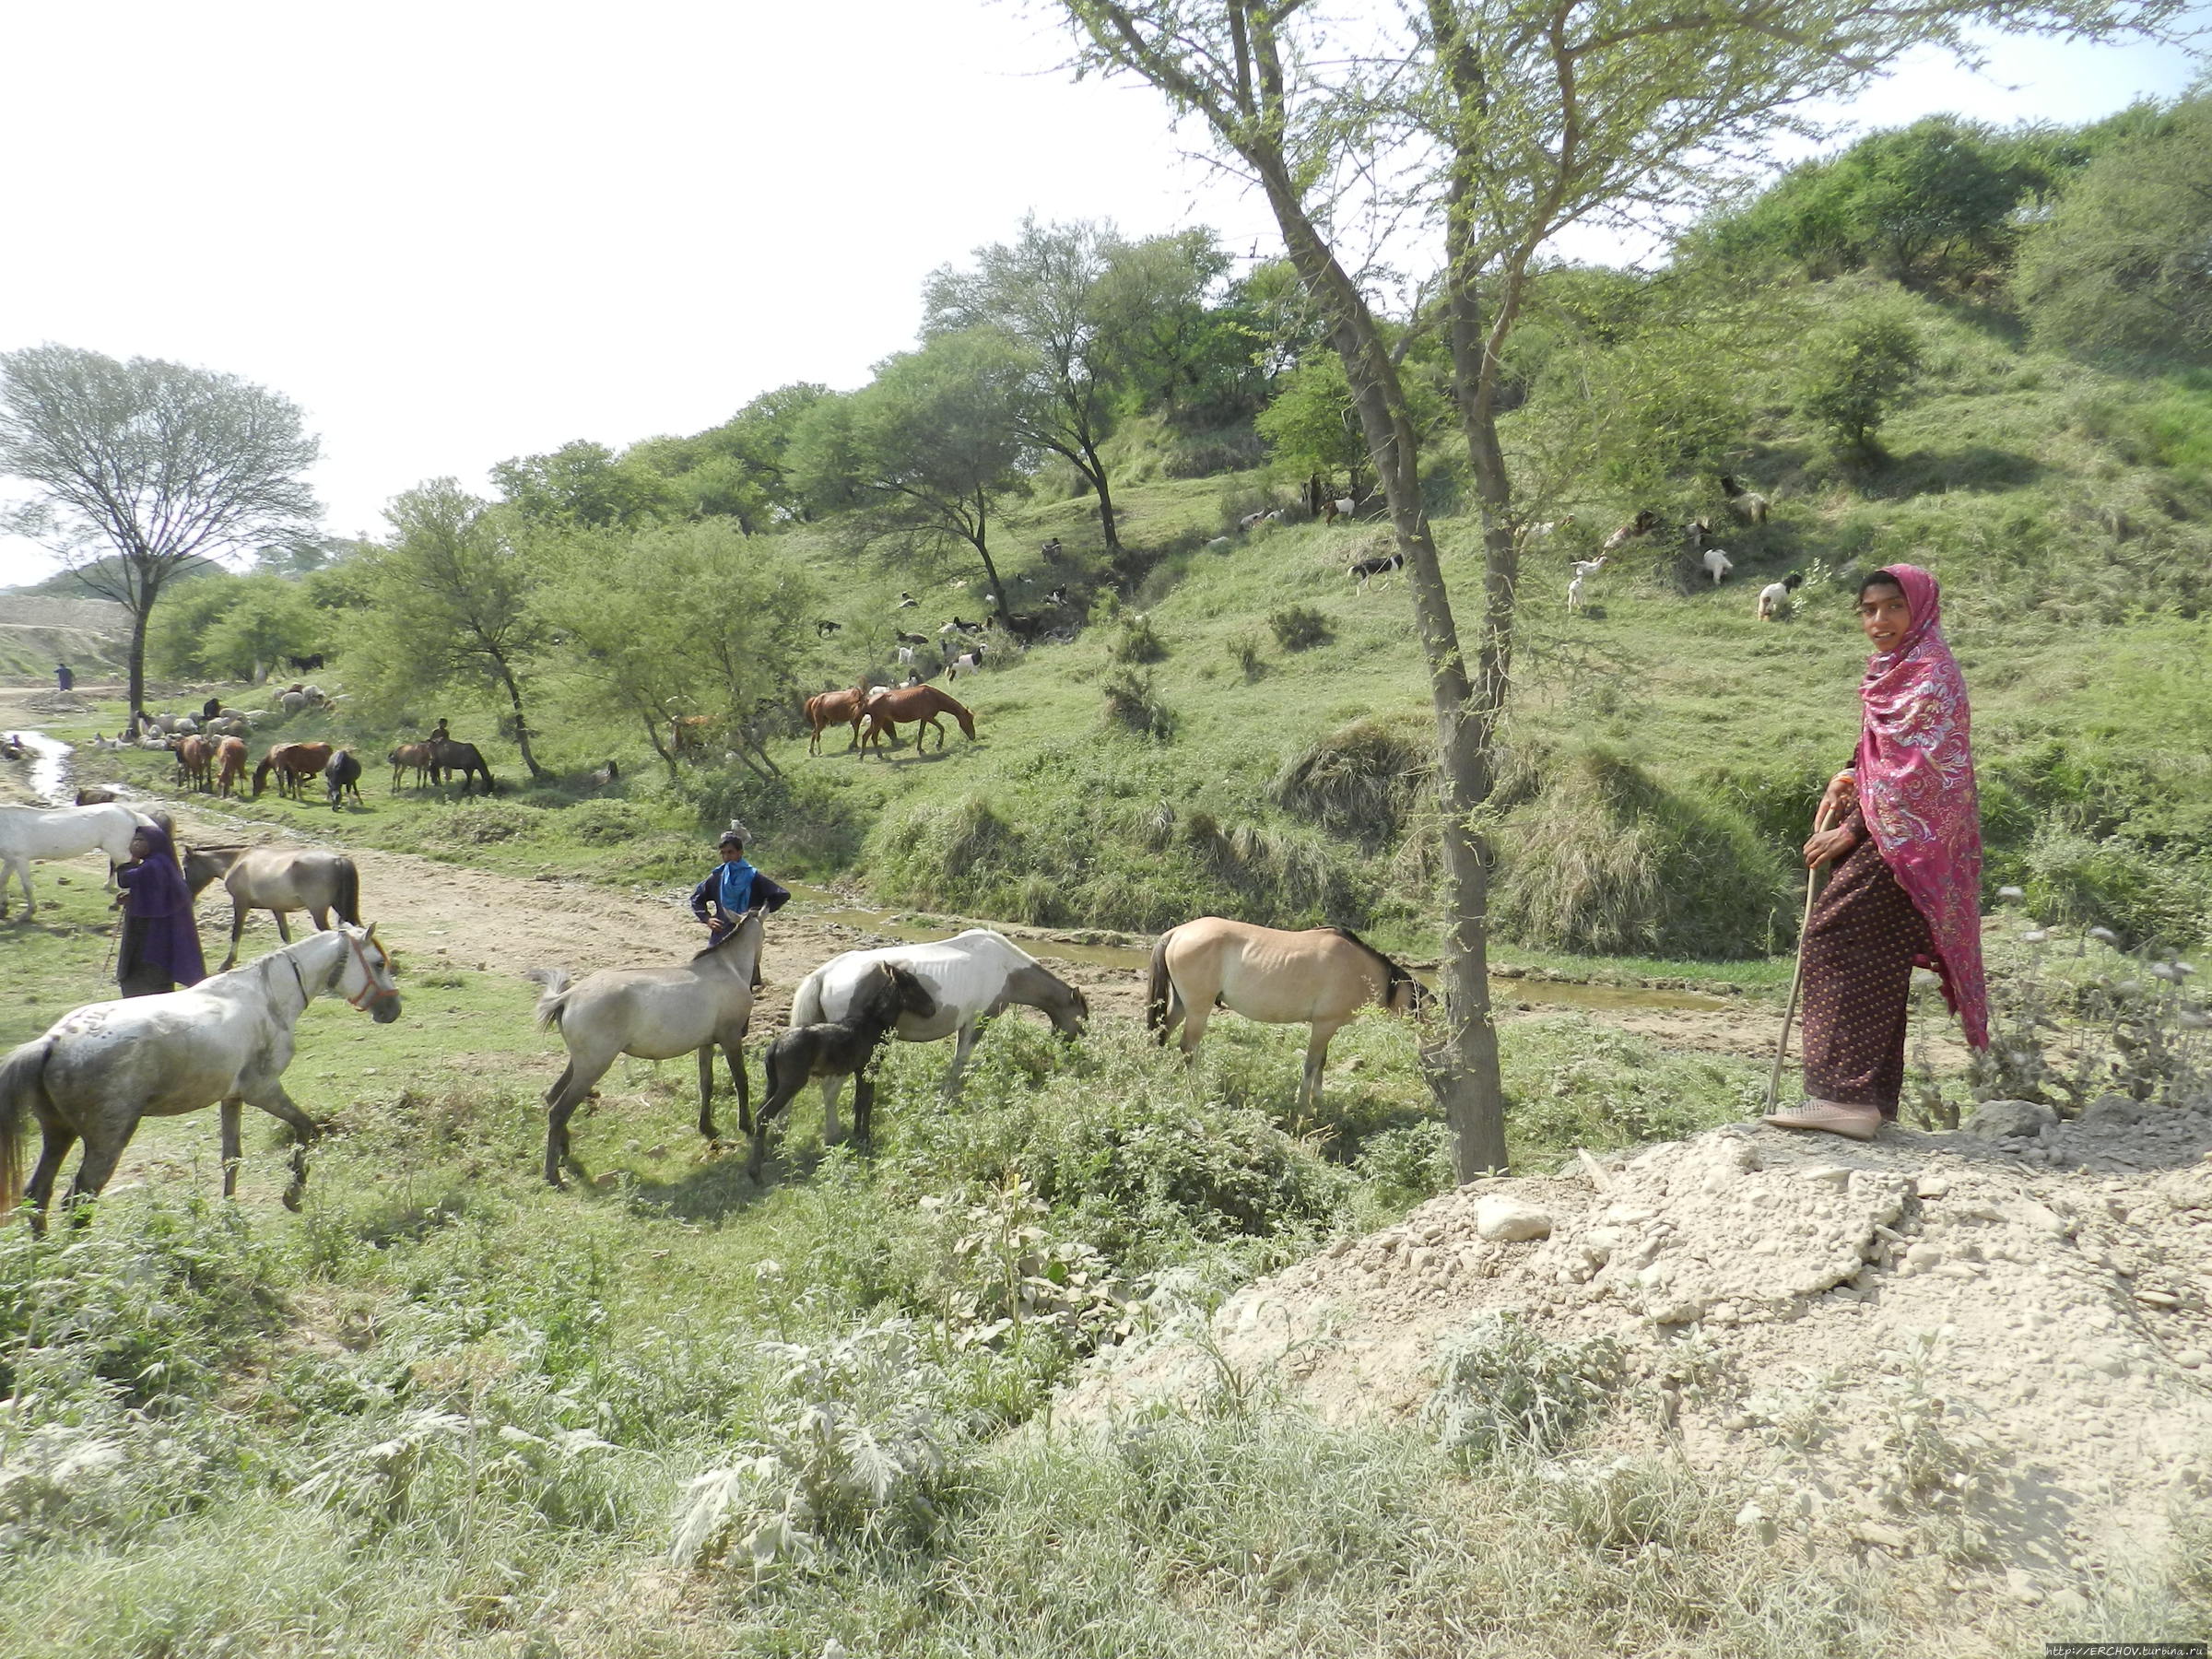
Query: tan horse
(1322,977)
(294,764)
(406,758)
(277,880)
(653,1014)
(229,764)
(888,711)
(836,708)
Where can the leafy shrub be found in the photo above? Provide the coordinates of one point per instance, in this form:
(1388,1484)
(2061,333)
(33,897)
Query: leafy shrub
(1359,780)
(476,823)
(514,1451)
(801,816)
(863,1446)
(153,1313)
(2145,900)
(603,823)
(1136,641)
(1502,1387)
(1607,860)
(1299,627)
(2118,265)
(1244,647)
(1852,374)
(1133,702)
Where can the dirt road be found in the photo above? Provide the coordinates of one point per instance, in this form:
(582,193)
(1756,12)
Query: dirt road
(498,923)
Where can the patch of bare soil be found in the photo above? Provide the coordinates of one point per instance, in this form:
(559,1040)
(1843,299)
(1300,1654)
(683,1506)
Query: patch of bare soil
(1842,1327)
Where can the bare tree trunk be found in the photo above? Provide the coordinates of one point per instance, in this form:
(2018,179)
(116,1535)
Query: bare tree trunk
(980,535)
(653,735)
(1096,471)
(141,613)
(522,725)
(1462,1071)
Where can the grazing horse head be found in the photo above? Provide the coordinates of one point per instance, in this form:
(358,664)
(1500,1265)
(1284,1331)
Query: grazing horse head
(363,975)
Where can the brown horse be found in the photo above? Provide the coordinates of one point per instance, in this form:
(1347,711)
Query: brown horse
(230,764)
(836,708)
(293,763)
(195,762)
(888,711)
(410,756)
(1322,976)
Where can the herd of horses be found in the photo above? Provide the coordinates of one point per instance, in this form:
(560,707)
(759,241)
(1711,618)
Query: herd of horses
(216,766)
(876,712)
(99,1070)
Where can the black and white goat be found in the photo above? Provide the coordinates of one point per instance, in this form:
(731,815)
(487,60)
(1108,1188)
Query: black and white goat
(1774,598)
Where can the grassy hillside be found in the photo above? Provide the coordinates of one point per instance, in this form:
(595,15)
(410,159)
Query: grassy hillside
(1185,753)
(2057,502)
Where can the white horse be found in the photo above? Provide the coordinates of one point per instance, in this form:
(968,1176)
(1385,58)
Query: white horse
(42,832)
(653,1014)
(99,1070)
(975,976)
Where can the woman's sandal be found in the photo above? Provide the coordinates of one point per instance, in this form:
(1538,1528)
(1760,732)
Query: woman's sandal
(1856,1123)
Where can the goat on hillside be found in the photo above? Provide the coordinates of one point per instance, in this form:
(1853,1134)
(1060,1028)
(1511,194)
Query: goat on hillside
(1774,598)
(1717,564)
(1745,504)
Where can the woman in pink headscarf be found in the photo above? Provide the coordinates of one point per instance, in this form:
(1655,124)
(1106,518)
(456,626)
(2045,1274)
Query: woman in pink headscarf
(1907,888)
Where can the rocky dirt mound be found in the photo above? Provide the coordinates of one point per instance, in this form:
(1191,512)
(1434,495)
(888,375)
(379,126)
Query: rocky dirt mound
(2005,1334)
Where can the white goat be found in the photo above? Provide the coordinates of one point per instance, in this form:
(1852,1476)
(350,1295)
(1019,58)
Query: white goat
(1574,594)
(1717,564)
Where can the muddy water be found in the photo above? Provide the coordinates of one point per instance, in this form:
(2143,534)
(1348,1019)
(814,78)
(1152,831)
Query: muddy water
(823,905)
(49,766)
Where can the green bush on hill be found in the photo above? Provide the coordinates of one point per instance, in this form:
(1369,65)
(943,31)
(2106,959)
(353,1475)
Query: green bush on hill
(1609,861)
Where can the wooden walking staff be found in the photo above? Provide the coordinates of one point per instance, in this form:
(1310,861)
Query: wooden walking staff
(1789,1012)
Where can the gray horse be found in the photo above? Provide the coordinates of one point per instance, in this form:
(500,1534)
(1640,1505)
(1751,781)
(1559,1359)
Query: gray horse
(277,879)
(651,1014)
(99,1070)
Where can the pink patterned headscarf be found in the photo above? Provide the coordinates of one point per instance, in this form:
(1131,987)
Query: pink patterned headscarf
(1916,792)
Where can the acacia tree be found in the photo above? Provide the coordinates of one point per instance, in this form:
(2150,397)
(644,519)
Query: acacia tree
(1085,306)
(148,470)
(929,450)
(1505,121)
(451,596)
(626,616)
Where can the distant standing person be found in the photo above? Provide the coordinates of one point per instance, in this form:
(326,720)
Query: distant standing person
(160,947)
(439,734)
(1907,888)
(732,889)
(65,678)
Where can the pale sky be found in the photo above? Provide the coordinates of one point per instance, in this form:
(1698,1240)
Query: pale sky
(462,231)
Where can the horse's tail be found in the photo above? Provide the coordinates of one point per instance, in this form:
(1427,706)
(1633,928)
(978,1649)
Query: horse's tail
(261,775)
(22,1082)
(1157,990)
(553,1001)
(348,901)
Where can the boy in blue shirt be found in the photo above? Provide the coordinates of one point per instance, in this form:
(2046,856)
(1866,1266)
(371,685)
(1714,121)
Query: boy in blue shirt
(731,889)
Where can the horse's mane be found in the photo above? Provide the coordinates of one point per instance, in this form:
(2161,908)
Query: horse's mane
(1393,972)
(724,943)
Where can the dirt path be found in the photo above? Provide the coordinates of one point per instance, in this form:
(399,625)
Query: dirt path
(503,924)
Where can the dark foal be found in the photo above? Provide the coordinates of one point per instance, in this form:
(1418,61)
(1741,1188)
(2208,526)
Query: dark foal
(840,1048)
